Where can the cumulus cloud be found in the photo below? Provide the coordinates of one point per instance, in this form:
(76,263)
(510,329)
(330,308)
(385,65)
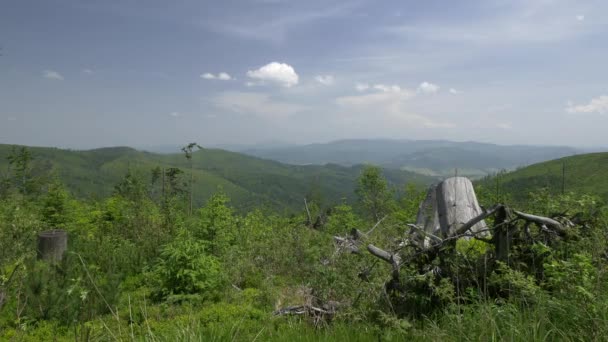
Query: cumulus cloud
(325,79)
(257,104)
(596,105)
(278,73)
(428,88)
(361,86)
(387,89)
(222,76)
(454,91)
(580,17)
(53,75)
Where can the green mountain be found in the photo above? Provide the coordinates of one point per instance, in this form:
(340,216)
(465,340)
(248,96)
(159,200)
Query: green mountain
(431,157)
(584,174)
(249,181)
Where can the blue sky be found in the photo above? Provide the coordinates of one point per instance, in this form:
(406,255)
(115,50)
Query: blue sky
(128,72)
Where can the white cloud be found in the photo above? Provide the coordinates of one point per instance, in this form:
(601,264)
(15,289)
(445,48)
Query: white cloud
(87,71)
(325,79)
(387,89)
(361,86)
(454,91)
(275,72)
(257,104)
(389,106)
(597,105)
(174,114)
(580,17)
(53,75)
(428,88)
(222,76)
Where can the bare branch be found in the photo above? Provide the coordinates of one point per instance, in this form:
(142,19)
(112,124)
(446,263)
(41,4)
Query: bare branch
(376,225)
(462,229)
(540,220)
(434,237)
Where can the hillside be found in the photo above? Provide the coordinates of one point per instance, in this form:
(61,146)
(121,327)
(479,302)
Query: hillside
(584,174)
(432,157)
(248,181)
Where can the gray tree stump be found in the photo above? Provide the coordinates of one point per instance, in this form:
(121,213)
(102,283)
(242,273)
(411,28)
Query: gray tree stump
(52,245)
(457,204)
(447,206)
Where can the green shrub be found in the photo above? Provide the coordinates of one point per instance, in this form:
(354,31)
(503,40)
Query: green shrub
(184,268)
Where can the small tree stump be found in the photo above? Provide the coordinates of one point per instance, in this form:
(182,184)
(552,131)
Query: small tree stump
(52,244)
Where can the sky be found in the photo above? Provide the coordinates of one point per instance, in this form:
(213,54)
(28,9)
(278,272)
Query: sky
(90,73)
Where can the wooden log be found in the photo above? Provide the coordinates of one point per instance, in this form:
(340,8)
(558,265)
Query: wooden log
(52,245)
(456,205)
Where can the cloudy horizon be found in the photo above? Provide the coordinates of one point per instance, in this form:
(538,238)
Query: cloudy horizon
(84,74)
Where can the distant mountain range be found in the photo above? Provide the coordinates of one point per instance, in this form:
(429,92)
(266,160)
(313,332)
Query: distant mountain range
(430,157)
(249,181)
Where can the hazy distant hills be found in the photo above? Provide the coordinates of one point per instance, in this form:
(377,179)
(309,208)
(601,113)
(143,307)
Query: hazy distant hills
(249,181)
(431,157)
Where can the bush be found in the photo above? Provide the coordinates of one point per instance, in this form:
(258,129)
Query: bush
(184,268)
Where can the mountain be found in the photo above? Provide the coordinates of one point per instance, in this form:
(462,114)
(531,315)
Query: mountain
(583,174)
(249,181)
(431,157)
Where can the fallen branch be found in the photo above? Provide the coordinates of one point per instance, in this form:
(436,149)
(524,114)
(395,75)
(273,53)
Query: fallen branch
(540,220)
(392,258)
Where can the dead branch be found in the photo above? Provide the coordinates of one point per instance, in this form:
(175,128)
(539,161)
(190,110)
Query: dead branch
(392,258)
(462,229)
(540,221)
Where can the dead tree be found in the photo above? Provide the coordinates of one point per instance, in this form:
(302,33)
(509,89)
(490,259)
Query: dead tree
(52,245)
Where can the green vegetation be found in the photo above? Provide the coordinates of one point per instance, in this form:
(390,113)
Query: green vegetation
(139,266)
(249,182)
(581,174)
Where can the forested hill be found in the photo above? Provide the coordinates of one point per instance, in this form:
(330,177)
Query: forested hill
(248,181)
(582,174)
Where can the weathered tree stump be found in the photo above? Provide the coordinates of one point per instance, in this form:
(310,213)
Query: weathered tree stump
(427,218)
(456,205)
(52,244)
(447,206)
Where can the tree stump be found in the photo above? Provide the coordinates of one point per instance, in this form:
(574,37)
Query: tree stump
(52,244)
(447,206)
(456,205)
